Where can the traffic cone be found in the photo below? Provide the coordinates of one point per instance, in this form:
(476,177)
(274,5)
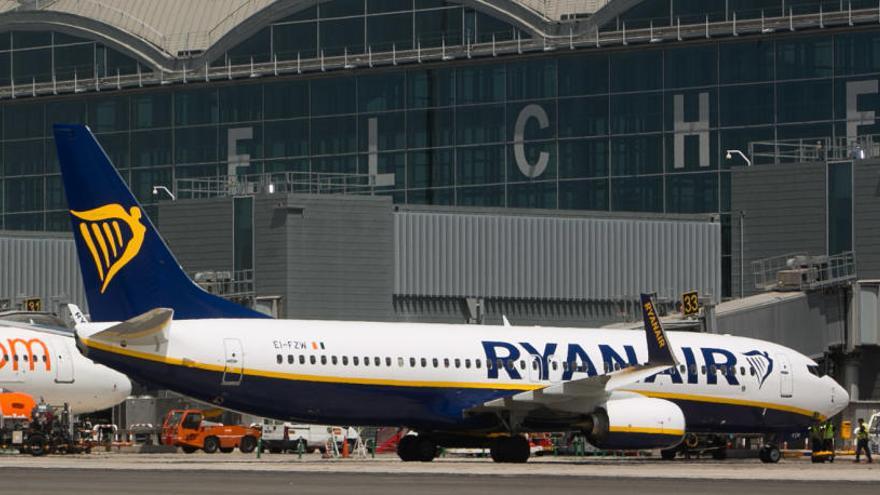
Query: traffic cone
(345,449)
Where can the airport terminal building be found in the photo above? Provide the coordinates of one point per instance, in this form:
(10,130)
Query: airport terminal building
(442,160)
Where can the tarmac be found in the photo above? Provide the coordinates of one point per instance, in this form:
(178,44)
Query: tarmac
(237,473)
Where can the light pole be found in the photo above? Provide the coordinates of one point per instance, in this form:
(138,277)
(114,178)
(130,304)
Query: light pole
(730,154)
(156,190)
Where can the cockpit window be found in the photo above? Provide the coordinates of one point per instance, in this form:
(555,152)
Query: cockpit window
(814,370)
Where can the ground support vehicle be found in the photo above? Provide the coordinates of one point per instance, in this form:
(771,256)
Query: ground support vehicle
(187,429)
(43,430)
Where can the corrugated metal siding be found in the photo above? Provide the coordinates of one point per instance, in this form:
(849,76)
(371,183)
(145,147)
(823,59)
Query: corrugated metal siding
(47,268)
(522,257)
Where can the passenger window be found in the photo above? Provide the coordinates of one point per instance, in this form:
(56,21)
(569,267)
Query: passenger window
(733,371)
(46,358)
(723,369)
(333,360)
(445,362)
(509,365)
(400,362)
(345,360)
(324,360)
(25,357)
(616,366)
(290,359)
(424,362)
(366,361)
(279,359)
(312,360)
(478,363)
(565,366)
(467,363)
(692,369)
(703,369)
(500,364)
(435,362)
(388,362)
(354,360)
(712,369)
(457,363)
(535,365)
(742,370)
(753,370)
(682,368)
(522,364)
(377,361)
(555,366)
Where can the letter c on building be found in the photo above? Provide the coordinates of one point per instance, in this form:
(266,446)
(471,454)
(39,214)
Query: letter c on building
(519,150)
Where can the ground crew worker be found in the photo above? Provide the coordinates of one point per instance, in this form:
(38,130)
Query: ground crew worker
(828,433)
(862,441)
(815,438)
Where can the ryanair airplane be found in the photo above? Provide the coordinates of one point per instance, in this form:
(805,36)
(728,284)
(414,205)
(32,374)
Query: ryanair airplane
(454,385)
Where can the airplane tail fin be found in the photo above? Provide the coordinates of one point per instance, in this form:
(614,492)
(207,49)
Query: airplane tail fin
(126,267)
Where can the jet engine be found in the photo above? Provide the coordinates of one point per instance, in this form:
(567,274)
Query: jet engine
(637,423)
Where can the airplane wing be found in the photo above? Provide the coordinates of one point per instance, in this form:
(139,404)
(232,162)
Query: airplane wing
(595,390)
(147,329)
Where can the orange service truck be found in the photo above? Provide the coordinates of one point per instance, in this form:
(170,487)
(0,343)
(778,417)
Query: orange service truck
(187,429)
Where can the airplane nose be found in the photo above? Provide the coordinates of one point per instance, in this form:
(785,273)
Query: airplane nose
(839,399)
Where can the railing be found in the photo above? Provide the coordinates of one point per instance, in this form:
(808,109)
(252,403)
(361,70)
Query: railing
(234,285)
(798,271)
(468,50)
(280,183)
(815,149)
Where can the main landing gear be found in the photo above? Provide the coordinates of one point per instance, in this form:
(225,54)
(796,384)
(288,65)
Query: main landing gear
(513,449)
(420,448)
(423,448)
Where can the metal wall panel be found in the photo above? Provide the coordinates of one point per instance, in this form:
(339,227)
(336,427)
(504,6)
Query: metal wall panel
(39,266)
(562,258)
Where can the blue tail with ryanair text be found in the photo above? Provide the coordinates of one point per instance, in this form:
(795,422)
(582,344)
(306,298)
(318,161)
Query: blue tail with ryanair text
(126,267)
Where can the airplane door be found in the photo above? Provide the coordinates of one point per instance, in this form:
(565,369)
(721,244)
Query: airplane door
(234,366)
(63,363)
(786,381)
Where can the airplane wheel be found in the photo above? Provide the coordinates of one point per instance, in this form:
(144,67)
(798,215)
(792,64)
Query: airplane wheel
(668,454)
(211,445)
(37,445)
(770,454)
(248,444)
(426,449)
(511,450)
(407,448)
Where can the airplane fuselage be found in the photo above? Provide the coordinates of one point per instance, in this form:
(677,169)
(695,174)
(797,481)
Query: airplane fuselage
(429,376)
(46,365)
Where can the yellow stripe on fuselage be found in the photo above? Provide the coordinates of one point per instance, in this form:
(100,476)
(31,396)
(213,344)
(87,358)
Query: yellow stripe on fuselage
(187,363)
(646,431)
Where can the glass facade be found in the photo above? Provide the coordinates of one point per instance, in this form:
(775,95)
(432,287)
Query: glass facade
(641,129)
(669,12)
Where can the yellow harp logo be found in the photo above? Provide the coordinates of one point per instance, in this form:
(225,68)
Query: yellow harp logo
(111,249)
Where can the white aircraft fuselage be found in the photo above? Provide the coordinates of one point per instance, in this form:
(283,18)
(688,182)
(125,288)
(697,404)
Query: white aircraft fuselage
(432,376)
(46,365)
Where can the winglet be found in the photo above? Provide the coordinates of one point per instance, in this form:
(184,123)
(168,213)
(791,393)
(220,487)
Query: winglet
(659,352)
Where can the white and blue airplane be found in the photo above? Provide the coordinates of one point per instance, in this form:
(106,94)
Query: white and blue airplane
(455,385)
